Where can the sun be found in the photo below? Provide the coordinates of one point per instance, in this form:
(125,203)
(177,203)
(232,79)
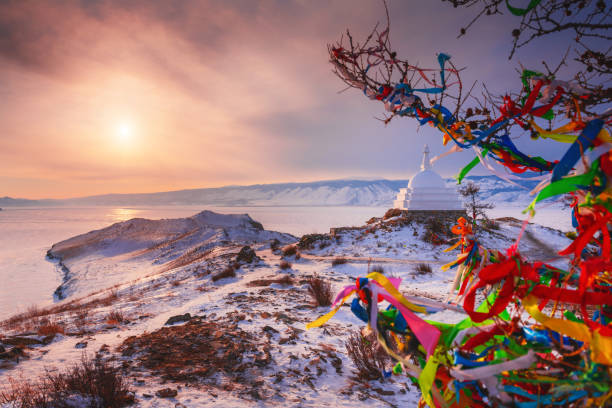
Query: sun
(124,134)
(124,131)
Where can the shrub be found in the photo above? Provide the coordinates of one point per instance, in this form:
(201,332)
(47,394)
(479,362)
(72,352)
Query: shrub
(228,272)
(320,291)
(422,269)
(308,241)
(378,268)
(434,231)
(289,250)
(95,380)
(393,212)
(339,261)
(115,317)
(369,358)
(490,225)
(274,244)
(48,328)
(283,280)
(285,265)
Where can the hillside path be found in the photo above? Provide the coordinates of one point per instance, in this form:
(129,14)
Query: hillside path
(362,259)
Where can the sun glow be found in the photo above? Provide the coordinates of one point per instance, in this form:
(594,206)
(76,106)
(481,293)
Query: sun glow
(124,133)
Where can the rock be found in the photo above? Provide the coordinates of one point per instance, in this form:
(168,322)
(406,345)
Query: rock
(22,341)
(12,354)
(308,241)
(270,329)
(383,392)
(178,319)
(166,393)
(80,345)
(247,255)
(48,339)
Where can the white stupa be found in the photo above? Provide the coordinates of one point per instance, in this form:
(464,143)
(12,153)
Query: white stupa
(427,191)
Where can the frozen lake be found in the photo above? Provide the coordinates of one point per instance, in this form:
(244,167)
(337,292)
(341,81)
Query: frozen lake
(27,278)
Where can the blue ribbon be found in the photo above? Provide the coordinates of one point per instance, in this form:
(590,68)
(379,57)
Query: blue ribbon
(584,141)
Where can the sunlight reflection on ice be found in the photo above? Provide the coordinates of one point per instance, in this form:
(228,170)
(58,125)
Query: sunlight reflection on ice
(123,214)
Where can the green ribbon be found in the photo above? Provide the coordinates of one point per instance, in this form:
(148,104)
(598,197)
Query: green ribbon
(565,185)
(464,171)
(522,11)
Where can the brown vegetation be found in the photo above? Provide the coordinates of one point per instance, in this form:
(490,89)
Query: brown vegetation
(214,353)
(289,250)
(92,379)
(49,328)
(422,269)
(378,268)
(338,261)
(30,318)
(320,291)
(284,280)
(285,265)
(393,212)
(369,358)
(116,317)
(228,272)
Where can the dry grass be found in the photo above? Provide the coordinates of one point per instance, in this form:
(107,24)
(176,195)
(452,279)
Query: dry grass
(116,317)
(274,244)
(284,265)
(93,380)
(284,280)
(214,353)
(339,261)
(393,212)
(320,291)
(228,272)
(30,318)
(369,358)
(289,250)
(48,328)
(422,269)
(378,268)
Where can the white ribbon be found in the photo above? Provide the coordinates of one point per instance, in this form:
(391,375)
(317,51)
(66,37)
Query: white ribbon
(487,371)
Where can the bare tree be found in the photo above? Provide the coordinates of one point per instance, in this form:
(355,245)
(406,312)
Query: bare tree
(590,21)
(474,204)
(374,67)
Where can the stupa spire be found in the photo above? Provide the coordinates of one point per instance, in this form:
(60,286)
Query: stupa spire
(426,165)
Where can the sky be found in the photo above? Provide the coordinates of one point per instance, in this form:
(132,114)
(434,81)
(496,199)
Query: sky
(104,96)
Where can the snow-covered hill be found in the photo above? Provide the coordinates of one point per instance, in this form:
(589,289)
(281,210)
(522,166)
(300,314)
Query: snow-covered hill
(153,301)
(137,247)
(319,193)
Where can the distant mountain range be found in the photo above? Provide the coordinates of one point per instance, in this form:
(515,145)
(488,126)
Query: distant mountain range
(319,193)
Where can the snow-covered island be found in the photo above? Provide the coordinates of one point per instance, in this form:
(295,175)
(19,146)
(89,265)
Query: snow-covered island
(210,310)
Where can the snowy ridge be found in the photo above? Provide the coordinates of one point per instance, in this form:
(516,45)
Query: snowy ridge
(320,193)
(131,249)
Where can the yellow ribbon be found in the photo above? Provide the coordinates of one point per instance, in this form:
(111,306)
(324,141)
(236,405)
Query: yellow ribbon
(460,258)
(601,346)
(388,286)
(323,319)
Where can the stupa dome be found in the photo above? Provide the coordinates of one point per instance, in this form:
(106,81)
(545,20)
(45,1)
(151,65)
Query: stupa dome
(427,179)
(427,191)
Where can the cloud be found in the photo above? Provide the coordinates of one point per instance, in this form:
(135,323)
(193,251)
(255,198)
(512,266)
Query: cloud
(219,91)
